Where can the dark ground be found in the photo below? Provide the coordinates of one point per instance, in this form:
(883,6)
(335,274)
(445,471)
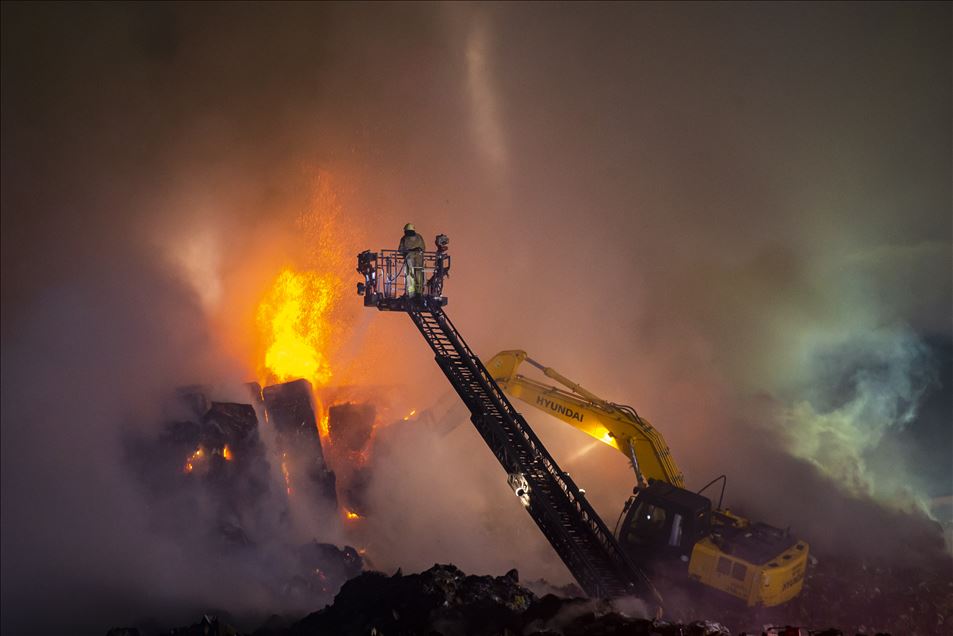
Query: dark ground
(838,598)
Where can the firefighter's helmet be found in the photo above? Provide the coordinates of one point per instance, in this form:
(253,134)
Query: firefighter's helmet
(409,227)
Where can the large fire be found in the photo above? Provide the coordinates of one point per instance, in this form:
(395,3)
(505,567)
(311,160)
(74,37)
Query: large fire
(303,320)
(294,318)
(300,318)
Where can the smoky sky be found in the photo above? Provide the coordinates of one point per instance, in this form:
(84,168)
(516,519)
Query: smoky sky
(736,217)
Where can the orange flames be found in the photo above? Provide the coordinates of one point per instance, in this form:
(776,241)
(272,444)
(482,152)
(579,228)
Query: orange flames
(351,515)
(294,318)
(199,454)
(284,471)
(301,320)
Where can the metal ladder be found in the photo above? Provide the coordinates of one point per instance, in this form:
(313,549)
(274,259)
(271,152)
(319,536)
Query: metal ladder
(568,521)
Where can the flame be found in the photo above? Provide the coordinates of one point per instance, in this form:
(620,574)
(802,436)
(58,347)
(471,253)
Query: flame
(299,318)
(295,323)
(410,415)
(324,427)
(284,471)
(227,453)
(350,514)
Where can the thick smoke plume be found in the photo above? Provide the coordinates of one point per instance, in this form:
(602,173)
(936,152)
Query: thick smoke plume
(735,218)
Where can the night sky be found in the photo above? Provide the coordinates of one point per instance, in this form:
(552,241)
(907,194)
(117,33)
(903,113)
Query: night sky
(736,217)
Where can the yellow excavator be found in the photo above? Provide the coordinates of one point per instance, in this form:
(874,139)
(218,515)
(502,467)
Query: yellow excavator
(667,528)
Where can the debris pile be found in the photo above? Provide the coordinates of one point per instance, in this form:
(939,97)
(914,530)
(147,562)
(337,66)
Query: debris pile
(305,467)
(351,431)
(872,596)
(444,600)
(213,488)
(207,461)
(213,453)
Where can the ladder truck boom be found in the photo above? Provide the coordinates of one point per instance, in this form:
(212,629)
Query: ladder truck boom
(567,520)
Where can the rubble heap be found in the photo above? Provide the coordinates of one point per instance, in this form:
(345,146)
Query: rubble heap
(444,600)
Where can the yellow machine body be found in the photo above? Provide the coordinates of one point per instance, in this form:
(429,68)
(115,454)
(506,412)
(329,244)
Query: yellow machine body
(772,583)
(754,562)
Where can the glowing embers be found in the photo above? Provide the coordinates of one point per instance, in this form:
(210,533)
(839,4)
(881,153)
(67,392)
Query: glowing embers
(351,431)
(200,456)
(303,465)
(193,459)
(412,413)
(296,328)
(285,472)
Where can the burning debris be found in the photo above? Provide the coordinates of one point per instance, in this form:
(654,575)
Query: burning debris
(210,478)
(207,461)
(350,426)
(303,463)
(351,430)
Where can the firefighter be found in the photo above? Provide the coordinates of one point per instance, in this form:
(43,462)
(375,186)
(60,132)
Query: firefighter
(412,249)
(441,267)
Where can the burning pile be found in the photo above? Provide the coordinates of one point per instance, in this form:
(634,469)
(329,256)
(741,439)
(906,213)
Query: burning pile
(218,448)
(289,409)
(209,473)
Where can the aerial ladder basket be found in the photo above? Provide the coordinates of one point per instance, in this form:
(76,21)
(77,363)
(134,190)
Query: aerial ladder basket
(389,276)
(560,509)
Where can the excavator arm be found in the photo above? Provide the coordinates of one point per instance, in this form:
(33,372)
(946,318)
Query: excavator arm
(616,425)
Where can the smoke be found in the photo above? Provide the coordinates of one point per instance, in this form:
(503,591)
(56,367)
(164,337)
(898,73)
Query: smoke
(835,426)
(735,218)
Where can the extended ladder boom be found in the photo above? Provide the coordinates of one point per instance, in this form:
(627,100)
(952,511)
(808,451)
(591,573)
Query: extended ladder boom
(576,532)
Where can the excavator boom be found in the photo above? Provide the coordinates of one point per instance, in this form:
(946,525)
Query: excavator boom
(616,425)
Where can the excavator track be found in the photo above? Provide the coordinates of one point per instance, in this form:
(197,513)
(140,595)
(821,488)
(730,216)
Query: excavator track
(576,532)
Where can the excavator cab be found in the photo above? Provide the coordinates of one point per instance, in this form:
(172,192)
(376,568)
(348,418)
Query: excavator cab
(664,521)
